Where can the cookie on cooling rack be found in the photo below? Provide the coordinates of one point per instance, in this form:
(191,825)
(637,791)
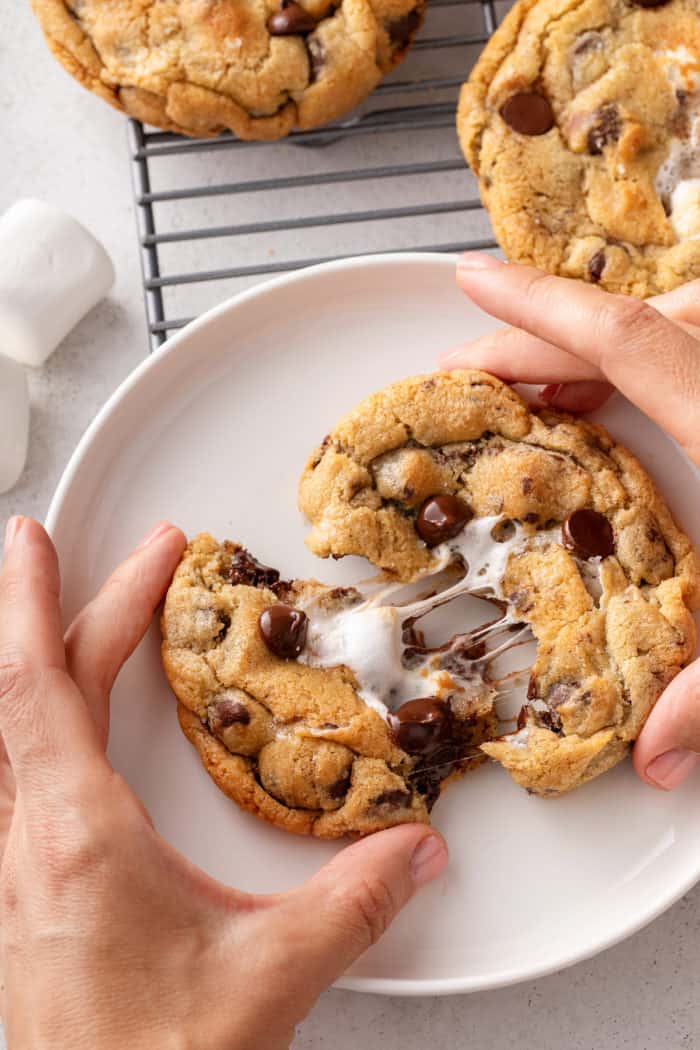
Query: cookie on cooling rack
(542,512)
(259,69)
(582,123)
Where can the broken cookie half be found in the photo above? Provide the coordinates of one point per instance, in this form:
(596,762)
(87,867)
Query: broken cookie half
(326,710)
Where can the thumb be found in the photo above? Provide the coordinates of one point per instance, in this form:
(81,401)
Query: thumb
(668,748)
(348,905)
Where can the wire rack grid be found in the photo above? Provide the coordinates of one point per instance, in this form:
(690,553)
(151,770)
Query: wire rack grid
(217,215)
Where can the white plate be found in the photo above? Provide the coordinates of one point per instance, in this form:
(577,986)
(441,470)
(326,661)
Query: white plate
(212,432)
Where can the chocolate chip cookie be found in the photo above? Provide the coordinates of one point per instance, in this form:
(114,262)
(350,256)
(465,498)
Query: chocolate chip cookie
(582,123)
(537,511)
(289,724)
(257,67)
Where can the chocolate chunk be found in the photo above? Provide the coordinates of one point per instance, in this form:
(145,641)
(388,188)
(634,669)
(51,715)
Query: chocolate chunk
(225,622)
(532,687)
(421,725)
(317,58)
(244,568)
(402,29)
(588,534)
(522,717)
(283,630)
(503,531)
(606,129)
(226,713)
(596,265)
(432,770)
(394,798)
(441,518)
(291,19)
(526,485)
(650,3)
(528,113)
(550,720)
(340,788)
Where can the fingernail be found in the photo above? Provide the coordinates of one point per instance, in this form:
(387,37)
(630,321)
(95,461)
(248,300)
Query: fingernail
(11,529)
(478,261)
(670,769)
(428,860)
(450,357)
(550,393)
(156,532)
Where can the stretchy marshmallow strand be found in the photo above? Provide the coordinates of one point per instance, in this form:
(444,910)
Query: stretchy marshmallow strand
(52,272)
(14,422)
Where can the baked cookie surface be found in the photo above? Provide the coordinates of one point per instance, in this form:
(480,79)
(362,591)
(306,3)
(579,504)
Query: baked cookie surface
(284,726)
(582,123)
(544,513)
(257,67)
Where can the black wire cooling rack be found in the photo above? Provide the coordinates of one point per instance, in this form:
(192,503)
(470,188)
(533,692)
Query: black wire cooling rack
(217,215)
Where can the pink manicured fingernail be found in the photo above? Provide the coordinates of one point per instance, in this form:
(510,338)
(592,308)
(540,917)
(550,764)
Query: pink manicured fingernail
(477,261)
(670,769)
(428,860)
(11,529)
(550,393)
(156,532)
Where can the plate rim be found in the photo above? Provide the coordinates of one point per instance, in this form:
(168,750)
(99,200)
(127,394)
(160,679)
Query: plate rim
(407,987)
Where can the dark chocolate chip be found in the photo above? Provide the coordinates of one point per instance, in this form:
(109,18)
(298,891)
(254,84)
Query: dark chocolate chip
(596,265)
(532,687)
(606,129)
(432,770)
(522,717)
(550,720)
(402,29)
(283,630)
(650,3)
(421,725)
(588,534)
(394,798)
(244,568)
(503,531)
(317,58)
(291,19)
(531,517)
(526,485)
(528,113)
(441,518)
(226,713)
(225,622)
(340,788)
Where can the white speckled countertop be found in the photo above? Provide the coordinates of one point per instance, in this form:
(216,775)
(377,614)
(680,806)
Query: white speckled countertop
(60,144)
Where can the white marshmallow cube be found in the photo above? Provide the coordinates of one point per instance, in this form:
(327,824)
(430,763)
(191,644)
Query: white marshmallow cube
(52,271)
(14,422)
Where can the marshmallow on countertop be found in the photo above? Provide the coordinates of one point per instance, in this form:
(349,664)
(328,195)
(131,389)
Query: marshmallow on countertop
(52,271)
(14,422)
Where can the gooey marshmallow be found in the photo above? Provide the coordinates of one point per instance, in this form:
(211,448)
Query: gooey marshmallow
(52,272)
(14,422)
(368,637)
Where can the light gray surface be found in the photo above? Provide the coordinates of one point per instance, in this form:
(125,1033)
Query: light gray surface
(60,144)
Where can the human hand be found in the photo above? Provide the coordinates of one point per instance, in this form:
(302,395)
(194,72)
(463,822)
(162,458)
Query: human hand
(110,938)
(583,343)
